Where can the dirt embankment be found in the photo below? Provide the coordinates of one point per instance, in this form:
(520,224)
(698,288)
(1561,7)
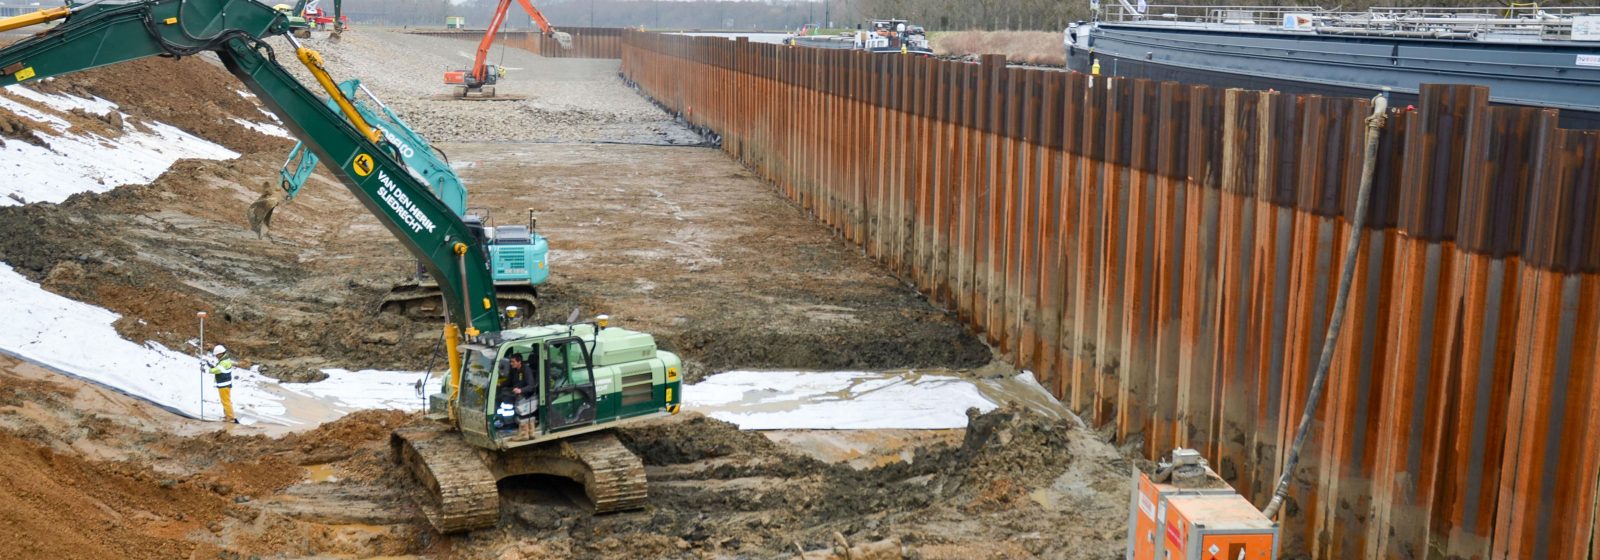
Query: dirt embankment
(193,94)
(91,473)
(159,253)
(1020,47)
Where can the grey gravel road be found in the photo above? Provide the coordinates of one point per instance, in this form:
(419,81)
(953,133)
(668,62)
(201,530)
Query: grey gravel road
(566,99)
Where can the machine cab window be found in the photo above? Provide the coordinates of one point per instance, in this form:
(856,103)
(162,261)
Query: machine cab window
(477,389)
(568,384)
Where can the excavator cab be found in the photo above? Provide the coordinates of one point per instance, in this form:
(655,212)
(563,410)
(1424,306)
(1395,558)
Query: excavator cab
(567,395)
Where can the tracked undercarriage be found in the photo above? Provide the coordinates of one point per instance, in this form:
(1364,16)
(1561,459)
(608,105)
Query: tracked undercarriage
(459,480)
(421,299)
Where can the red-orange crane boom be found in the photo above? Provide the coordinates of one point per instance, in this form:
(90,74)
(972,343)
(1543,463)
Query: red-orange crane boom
(484,74)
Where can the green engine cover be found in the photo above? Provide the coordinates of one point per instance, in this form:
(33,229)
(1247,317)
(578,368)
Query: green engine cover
(587,378)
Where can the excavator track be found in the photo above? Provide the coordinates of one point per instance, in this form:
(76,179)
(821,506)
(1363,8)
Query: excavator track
(422,300)
(611,475)
(461,491)
(459,479)
(616,479)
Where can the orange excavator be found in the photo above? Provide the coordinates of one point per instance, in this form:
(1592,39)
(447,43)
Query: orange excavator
(479,80)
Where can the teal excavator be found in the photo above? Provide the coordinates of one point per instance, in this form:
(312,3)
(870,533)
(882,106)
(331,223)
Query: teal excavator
(518,254)
(585,377)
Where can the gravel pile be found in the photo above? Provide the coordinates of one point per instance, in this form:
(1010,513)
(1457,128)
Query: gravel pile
(565,99)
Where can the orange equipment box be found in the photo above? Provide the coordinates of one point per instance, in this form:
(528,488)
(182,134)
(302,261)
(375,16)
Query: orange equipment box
(1201,518)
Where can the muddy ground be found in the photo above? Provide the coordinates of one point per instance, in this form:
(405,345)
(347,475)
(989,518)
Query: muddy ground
(677,241)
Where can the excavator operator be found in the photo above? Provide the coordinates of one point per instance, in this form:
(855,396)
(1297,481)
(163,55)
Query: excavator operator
(522,393)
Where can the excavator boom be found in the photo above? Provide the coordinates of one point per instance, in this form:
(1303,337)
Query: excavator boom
(480,69)
(112,31)
(544,24)
(538,17)
(592,377)
(482,73)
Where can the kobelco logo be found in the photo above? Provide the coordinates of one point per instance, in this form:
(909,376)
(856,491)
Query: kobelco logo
(406,151)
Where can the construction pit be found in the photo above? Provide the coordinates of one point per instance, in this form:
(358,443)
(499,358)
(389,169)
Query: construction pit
(648,224)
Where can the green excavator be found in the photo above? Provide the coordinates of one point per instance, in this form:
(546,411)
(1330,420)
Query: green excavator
(587,377)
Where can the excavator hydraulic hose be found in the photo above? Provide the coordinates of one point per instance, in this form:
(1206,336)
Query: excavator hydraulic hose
(466,298)
(313,61)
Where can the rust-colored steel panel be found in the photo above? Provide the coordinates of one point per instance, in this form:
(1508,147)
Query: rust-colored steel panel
(1135,399)
(1023,272)
(1113,216)
(1165,258)
(1168,260)
(1548,483)
(1236,381)
(1089,258)
(1048,287)
(1069,257)
(1197,373)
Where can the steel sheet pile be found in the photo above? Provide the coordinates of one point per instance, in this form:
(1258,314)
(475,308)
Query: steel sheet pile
(587,42)
(1165,257)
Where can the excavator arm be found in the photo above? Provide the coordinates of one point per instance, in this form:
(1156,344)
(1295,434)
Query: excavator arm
(481,73)
(112,31)
(544,24)
(480,68)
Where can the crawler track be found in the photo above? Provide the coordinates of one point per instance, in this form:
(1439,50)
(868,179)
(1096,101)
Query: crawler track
(615,479)
(461,492)
(459,479)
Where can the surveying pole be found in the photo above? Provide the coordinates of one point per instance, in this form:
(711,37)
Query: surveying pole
(202,316)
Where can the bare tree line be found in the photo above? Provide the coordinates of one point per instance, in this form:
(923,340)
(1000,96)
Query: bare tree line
(653,14)
(939,15)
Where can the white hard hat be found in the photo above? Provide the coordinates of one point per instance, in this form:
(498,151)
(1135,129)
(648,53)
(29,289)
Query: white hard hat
(218,350)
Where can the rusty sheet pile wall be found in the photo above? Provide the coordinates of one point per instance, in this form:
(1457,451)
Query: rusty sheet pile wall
(1165,257)
(587,42)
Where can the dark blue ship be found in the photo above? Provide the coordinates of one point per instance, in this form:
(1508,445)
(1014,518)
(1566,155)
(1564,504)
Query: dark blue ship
(1526,55)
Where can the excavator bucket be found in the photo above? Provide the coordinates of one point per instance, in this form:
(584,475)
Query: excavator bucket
(292,177)
(564,38)
(260,213)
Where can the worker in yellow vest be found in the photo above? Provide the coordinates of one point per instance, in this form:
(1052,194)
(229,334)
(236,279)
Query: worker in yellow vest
(220,366)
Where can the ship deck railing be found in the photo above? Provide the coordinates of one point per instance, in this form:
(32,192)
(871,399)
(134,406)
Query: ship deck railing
(1517,22)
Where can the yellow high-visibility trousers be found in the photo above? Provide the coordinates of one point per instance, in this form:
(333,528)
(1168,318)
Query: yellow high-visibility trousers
(227,401)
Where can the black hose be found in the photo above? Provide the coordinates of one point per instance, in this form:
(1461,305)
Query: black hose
(1380,104)
(428,371)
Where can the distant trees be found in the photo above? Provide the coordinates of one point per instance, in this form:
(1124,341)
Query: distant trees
(1049,15)
(981,14)
(656,14)
(395,12)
